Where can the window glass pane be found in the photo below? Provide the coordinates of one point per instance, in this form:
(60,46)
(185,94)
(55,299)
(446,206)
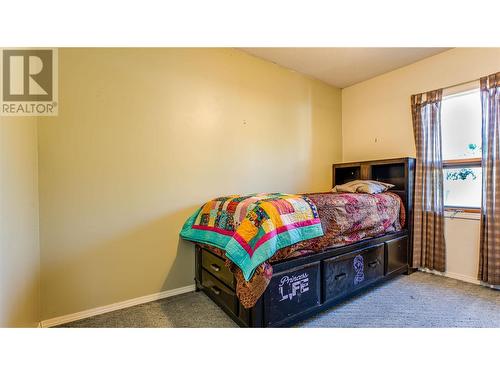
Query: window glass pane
(461,125)
(462,187)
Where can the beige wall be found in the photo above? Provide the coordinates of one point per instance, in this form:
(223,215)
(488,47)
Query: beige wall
(376,117)
(143,137)
(376,123)
(462,241)
(19,246)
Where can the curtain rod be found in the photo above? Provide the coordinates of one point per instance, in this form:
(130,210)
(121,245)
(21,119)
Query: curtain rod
(461,84)
(452,86)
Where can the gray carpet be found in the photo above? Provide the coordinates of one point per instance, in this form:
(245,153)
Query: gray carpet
(418,300)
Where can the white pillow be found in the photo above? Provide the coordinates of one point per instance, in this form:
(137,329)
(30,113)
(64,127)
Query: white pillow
(362,186)
(348,187)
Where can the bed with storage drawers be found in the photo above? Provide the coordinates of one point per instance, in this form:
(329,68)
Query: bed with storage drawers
(301,286)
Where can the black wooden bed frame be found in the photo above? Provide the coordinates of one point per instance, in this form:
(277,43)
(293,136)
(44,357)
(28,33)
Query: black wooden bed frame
(301,287)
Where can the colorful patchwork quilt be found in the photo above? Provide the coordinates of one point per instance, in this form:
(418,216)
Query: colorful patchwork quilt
(250,229)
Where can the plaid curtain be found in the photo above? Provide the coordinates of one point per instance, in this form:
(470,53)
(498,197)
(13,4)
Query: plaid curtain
(428,212)
(489,250)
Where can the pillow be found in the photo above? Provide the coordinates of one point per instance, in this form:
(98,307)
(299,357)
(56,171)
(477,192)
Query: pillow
(348,187)
(362,186)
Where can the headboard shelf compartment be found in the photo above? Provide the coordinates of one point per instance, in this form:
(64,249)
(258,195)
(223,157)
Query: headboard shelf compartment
(346,174)
(391,173)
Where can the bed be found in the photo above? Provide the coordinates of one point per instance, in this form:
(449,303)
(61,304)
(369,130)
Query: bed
(307,277)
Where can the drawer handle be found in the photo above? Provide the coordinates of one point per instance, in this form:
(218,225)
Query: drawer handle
(373,264)
(215,290)
(215,267)
(340,276)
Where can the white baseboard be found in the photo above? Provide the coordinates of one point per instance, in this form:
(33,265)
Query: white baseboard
(467,279)
(115,306)
(457,276)
(452,275)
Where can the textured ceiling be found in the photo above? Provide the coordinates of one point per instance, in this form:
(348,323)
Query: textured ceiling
(342,67)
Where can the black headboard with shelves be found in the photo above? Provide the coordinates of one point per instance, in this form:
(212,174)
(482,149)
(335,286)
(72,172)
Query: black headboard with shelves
(399,172)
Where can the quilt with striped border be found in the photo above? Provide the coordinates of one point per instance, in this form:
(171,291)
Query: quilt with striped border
(251,228)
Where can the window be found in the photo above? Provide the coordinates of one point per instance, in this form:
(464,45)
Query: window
(461,138)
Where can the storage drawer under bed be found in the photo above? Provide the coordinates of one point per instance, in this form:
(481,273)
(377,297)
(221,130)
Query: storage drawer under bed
(219,292)
(292,292)
(216,266)
(345,273)
(396,255)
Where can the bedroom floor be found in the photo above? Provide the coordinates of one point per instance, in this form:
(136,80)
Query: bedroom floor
(418,300)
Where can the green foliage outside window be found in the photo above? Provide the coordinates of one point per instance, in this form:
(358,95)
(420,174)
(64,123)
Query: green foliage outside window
(463,173)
